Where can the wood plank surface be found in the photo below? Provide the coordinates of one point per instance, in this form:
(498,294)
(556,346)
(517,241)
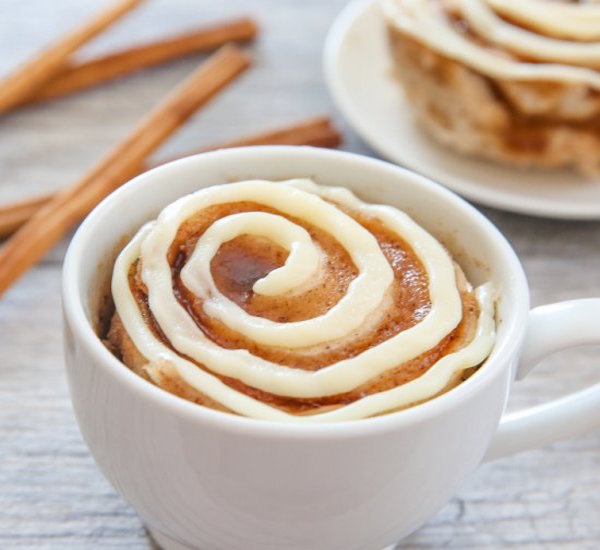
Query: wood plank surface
(51,494)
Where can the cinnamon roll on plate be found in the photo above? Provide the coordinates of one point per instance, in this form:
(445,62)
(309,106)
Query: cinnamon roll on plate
(515,81)
(295,302)
(365,79)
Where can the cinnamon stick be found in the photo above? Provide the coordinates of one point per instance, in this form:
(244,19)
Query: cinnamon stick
(79,76)
(54,219)
(13,216)
(317,132)
(32,74)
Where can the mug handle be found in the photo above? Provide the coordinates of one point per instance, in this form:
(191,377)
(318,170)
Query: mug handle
(552,328)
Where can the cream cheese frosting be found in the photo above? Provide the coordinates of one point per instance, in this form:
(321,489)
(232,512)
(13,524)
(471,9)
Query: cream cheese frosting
(548,48)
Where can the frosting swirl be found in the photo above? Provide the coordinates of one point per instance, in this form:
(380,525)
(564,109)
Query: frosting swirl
(182,296)
(528,40)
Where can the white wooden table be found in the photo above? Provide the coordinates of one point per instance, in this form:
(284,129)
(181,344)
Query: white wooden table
(51,494)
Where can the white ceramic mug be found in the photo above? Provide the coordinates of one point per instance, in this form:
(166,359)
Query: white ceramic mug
(200,478)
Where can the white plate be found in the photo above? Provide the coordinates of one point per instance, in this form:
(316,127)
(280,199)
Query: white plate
(358,73)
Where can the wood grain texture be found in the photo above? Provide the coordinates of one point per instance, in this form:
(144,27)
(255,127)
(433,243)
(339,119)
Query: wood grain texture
(51,494)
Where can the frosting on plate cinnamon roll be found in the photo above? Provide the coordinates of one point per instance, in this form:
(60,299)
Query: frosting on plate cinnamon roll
(516,81)
(291,301)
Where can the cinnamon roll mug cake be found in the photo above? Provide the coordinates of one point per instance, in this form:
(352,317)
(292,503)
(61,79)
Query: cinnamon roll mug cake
(280,322)
(293,301)
(515,81)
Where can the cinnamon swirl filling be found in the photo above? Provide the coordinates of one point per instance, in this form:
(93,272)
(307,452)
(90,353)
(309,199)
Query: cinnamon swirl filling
(291,301)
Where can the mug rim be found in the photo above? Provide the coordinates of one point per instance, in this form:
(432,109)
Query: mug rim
(81,326)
